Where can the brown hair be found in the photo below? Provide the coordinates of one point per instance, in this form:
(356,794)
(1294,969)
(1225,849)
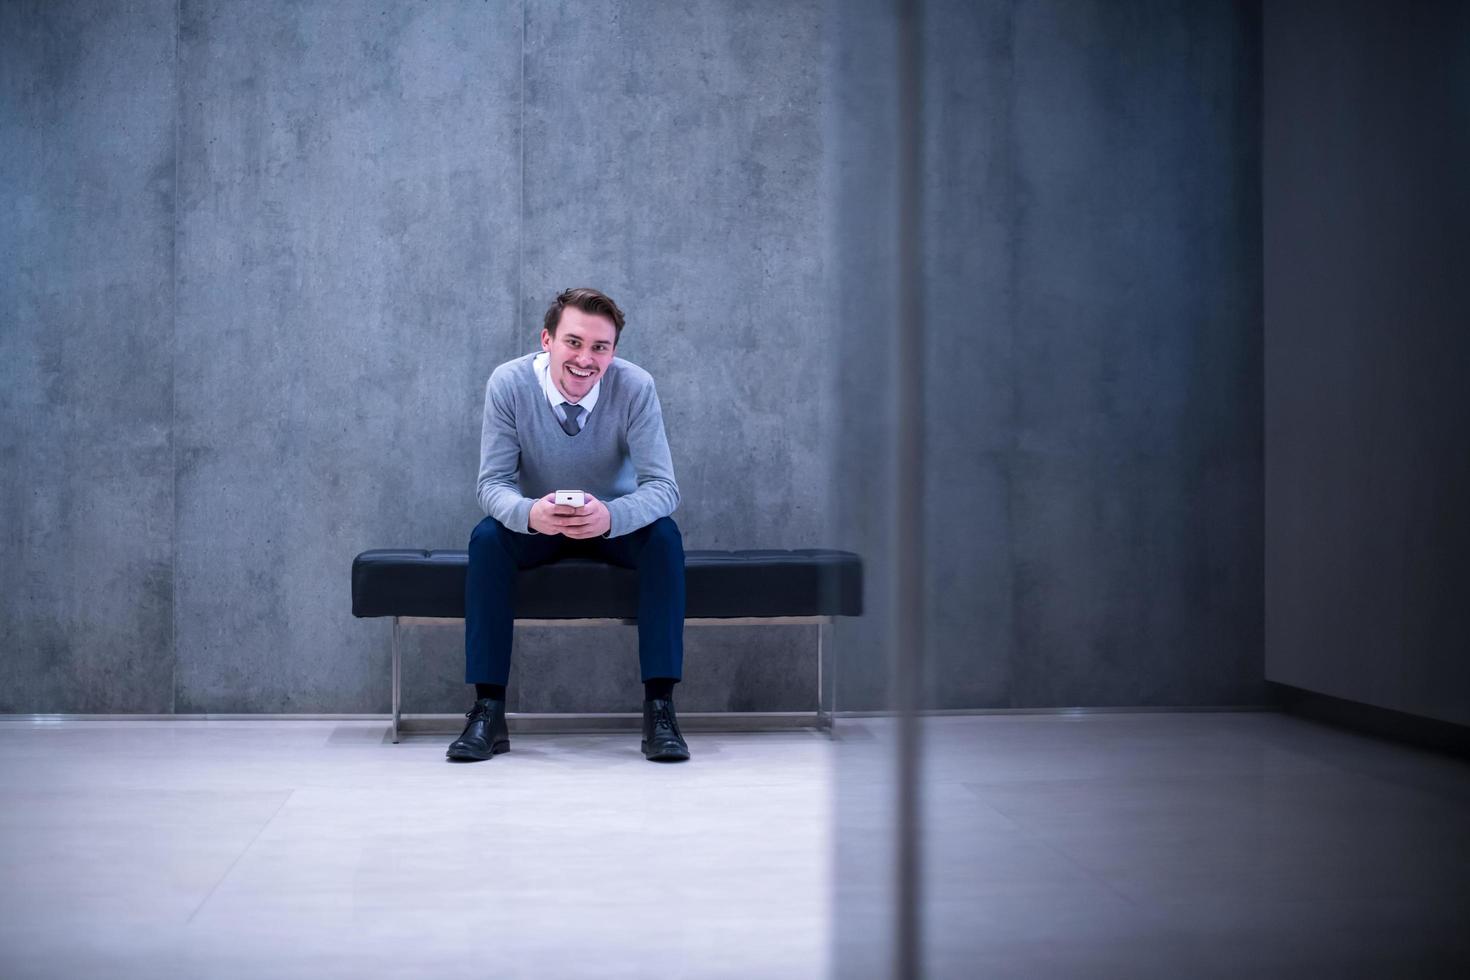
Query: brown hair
(588,301)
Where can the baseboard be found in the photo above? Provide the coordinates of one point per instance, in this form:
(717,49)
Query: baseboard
(1398,726)
(759,719)
(715,721)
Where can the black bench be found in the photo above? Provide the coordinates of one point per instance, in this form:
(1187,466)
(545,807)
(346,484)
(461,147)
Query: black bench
(723,588)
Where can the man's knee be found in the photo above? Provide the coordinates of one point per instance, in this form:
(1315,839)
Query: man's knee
(664,536)
(489,533)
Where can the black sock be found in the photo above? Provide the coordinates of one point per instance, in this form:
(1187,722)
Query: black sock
(496,691)
(659,687)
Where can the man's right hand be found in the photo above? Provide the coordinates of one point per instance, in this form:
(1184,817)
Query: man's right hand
(541,513)
(549,517)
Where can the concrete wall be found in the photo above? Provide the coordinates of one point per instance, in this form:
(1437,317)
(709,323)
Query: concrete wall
(262,276)
(87,97)
(1092,309)
(1367,222)
(266,255)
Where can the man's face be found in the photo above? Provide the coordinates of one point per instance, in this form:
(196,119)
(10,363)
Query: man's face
(580,351)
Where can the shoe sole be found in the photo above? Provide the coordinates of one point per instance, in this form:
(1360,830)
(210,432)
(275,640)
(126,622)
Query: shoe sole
(668,755)
(464,756)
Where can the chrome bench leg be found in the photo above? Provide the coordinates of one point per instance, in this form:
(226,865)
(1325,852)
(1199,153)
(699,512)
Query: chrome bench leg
(824,707)
(396,667)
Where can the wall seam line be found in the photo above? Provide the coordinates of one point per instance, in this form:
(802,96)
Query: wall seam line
(173,382)
(1011,451)
(521,212)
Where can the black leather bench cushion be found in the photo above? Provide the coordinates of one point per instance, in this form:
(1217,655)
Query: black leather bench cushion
(719,585)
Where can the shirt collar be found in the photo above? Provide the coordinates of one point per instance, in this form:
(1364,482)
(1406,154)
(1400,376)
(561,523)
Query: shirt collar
(553,393)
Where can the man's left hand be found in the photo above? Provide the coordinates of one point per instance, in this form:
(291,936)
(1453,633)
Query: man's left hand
(591,520)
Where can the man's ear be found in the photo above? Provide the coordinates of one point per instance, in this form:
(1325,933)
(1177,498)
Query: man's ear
(545,339)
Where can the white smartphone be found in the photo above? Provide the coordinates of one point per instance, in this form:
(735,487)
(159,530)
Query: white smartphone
(571,498)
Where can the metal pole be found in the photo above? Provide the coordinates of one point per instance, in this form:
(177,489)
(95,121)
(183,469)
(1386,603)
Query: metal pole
(908,515)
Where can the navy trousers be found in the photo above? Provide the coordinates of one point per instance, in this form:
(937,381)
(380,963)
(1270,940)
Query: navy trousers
(496,555)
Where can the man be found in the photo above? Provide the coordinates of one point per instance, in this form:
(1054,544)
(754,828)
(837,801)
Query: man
(572,417)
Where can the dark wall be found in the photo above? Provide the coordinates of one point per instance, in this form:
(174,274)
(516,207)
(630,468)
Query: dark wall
(1091,223)
(1367,229)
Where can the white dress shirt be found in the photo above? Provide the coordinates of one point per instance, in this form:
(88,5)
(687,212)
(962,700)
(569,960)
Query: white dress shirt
(553,393)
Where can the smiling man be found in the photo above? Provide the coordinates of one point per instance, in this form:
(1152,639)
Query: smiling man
(574,417)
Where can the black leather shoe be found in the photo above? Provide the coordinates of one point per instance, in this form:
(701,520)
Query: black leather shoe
(662,740)
(486,735)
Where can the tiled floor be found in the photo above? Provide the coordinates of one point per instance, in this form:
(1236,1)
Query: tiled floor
(1173,845)
(317,849)
(1211,844)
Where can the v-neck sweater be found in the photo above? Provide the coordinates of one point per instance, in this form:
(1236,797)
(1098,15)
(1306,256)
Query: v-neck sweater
(620,455)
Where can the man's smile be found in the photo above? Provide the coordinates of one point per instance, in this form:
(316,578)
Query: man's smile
(577,373)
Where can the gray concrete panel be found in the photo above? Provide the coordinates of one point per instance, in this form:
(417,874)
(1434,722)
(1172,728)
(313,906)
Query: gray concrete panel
(1136,501)
(673,159)
(1093,372)
(860,140)
(349,193)
(970,392)
(86,324)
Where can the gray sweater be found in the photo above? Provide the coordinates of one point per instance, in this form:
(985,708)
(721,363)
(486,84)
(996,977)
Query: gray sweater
(620,456)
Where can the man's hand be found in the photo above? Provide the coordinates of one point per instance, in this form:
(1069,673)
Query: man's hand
(543,513)
(588,521)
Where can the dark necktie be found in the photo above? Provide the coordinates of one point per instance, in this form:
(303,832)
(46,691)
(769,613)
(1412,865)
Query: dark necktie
(574,412)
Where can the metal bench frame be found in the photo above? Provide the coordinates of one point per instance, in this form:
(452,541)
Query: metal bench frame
(821,718)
